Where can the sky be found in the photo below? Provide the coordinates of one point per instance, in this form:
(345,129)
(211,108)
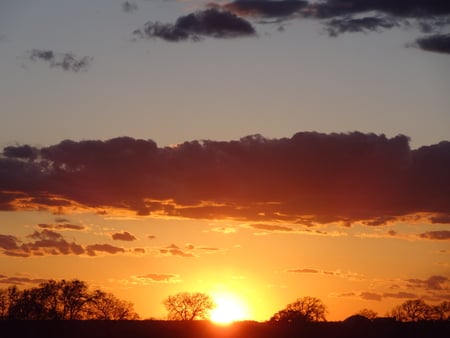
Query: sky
(256,150)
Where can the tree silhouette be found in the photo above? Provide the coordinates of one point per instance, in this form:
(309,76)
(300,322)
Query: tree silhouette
(416,310)
(306,309)
(368,313)
(442,311)
(188,306)
(412,311)
(62,300)
(106,306)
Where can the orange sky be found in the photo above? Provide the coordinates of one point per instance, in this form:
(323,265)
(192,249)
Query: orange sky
(357,220)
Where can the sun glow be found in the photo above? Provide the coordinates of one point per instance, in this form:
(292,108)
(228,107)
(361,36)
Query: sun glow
(229,309)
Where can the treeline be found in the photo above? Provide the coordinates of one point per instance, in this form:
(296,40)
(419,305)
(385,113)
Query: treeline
(63,300)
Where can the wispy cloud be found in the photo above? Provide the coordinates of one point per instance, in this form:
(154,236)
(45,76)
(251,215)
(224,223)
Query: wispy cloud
(65,226)
(129,7)
(336,273)
(158,278)
(65,61)
(20,280)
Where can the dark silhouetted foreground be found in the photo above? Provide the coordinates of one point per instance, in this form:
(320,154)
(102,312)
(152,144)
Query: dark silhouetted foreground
(385,328)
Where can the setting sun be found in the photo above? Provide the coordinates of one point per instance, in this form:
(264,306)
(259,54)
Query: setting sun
(229,309)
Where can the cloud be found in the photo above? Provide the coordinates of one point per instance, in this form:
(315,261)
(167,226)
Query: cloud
(308,178)
(25,152)
(211,22)
(433,283)
(401,295)
(409,8)
(304,271)
(8,242)
(371,296)
(439,43)
(64,61)
(93,249)
(123,236)
(350,16)
(151,236)
(271,227)
(129,7)
(48,242)
(159,278)
(441,235)
(65,226)
(337,273)
(224,230)
(20,280)
(266,8)
(173,250)
(339,26)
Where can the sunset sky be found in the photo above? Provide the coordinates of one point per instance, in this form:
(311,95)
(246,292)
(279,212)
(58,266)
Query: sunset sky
(259,151)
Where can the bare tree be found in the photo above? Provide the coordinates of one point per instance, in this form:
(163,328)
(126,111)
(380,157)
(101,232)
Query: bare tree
(106,306)
(188,306)
(306,309)
(412,311)
(368,313)
(442,311)
(63,300)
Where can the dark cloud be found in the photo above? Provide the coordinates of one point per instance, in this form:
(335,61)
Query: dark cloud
(23,152)
(66,226)
(399,8)
(266,8)
(211,22)
(338,26)
(347,16)
(433,283)
(308,178)
(151,236)
(93,249)
(159,277)
(64,61)
(129,7)
(8,242)
(49,242)
(123,236)
(271,227)
(440,219)
(439,43)
(442,235)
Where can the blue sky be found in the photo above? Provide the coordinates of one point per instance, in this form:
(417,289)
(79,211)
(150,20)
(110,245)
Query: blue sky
(275,83)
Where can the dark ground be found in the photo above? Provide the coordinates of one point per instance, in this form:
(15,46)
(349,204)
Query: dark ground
(204,329)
